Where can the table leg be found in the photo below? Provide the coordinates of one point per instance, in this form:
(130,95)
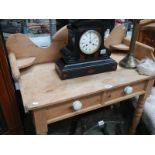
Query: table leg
(140,106)
(40,122)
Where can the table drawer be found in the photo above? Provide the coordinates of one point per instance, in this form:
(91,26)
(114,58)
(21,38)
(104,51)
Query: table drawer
(91,102)
(118,93)
(64,110)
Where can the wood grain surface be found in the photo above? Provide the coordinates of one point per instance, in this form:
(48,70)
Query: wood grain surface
(41,84)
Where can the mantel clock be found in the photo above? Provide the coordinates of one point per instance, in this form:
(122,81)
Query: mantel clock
(85,52)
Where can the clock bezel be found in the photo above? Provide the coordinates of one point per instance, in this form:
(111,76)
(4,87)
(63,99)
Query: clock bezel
(99,44)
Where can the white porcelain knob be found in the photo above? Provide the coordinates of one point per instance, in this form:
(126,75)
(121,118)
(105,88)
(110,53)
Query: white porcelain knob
(77,105)
(128,90)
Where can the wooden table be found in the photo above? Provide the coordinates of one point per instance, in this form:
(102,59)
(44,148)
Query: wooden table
(51,99)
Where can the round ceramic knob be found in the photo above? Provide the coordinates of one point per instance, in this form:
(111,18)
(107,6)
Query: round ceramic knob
(128,90)
(77,105)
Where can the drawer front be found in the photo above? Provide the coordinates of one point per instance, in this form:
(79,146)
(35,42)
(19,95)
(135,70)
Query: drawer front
(66,108)
(119,92)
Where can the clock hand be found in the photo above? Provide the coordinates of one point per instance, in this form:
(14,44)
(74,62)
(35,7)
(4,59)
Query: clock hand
(90,37)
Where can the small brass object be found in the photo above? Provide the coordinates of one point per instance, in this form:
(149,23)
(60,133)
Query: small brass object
(129,61)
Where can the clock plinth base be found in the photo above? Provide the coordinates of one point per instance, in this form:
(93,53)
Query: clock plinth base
(67,71)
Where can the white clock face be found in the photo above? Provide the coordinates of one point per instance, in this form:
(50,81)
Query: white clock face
(90,42)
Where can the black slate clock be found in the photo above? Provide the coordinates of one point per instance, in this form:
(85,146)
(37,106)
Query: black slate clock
(85,52)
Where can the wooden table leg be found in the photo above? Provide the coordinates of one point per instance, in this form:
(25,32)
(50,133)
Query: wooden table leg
(140,107)
(40,122)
